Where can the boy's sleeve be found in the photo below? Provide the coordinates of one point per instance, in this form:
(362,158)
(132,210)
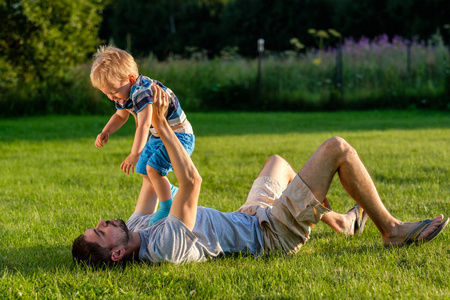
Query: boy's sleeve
(141,97)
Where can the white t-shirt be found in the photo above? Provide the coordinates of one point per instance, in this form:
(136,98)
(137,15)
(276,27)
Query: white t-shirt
(215,233)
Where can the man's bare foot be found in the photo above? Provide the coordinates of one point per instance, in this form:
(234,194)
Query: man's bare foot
(348,223)
(341,223)
(400,231)
(355,221)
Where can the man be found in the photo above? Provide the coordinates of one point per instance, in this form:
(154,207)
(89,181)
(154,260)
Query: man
(280,211)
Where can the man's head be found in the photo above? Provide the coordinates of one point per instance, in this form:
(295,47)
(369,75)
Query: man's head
(106,243)
(114,71)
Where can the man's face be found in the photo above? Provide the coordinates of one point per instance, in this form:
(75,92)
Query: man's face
(108,234)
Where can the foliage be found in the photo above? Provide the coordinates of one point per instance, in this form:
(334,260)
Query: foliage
(167,27)
(407,18)
(43,37)
(163,27)
(39,42)
(44,45)
(55,184)
(376,74)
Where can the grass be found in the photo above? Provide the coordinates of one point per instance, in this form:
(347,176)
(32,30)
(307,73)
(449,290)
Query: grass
(54,184)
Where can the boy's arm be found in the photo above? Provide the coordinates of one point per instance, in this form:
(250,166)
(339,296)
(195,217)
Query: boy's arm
(184,206)
(115,122)
(140,139)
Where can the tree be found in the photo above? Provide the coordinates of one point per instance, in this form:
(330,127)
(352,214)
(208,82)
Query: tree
(163,27)
(406,18)
(39,39)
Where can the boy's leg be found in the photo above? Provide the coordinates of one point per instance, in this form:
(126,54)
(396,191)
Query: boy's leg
(160,183)
(158,164)
(336,155)
(148,200)
(163,189)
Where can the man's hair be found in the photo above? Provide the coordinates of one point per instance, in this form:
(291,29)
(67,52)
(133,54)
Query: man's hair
(112,65)
(90,253)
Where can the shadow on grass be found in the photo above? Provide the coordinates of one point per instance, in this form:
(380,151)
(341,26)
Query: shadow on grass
(27,260)
(229,123)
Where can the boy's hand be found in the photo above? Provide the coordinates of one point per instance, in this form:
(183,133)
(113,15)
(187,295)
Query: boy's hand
(102,137)
(129,163)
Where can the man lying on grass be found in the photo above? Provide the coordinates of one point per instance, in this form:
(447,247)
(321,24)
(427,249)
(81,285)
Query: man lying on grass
(280,211)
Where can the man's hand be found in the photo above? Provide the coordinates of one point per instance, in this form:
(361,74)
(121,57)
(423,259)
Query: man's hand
(129,163)
(102,137)
(160,103)
(184,206)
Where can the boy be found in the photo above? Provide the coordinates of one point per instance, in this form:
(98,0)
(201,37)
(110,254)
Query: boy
(115,73)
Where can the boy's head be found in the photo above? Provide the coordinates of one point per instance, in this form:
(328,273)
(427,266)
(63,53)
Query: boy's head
(112,68)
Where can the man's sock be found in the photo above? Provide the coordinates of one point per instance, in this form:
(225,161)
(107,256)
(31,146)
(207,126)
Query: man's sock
(163,211)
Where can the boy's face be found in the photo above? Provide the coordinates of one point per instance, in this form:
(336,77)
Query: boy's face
(119,91)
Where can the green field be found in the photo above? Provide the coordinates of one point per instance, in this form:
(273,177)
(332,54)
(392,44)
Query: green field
(54,184)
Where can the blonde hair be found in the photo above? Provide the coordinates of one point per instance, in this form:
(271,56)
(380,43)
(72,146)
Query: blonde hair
(112,65)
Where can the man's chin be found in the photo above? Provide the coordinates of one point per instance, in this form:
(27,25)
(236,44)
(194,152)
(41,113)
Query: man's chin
(121,224)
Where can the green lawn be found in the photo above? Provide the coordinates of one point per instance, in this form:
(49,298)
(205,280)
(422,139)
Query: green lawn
(54,184)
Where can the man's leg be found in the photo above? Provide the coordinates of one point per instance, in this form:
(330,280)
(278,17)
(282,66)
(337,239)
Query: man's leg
(336,155)
(272,180)
(279,169)
(147,200)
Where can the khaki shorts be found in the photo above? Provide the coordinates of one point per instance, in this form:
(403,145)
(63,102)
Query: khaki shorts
(285,215)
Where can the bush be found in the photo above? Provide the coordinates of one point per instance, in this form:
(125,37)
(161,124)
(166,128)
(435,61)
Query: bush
(43,40)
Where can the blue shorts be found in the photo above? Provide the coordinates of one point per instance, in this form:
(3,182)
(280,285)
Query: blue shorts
(155,154)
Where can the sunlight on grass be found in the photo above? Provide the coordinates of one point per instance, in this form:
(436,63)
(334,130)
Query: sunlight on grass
(55,183)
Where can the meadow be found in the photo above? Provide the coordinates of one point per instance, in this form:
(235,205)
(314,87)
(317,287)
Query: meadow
(54,184)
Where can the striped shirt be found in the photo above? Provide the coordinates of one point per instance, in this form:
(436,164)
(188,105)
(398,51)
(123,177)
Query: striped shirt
(141,95)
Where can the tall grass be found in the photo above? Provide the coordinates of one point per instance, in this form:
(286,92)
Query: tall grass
(54,184)
(376,74)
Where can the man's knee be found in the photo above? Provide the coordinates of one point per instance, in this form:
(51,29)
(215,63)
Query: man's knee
(277,167)
(339,147)
(275,158)
(276,161)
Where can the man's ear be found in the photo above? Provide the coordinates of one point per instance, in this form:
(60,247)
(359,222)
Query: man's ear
(118,253)
(131,79)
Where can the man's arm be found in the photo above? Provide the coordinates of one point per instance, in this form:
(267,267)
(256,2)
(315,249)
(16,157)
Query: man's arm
(184,206)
